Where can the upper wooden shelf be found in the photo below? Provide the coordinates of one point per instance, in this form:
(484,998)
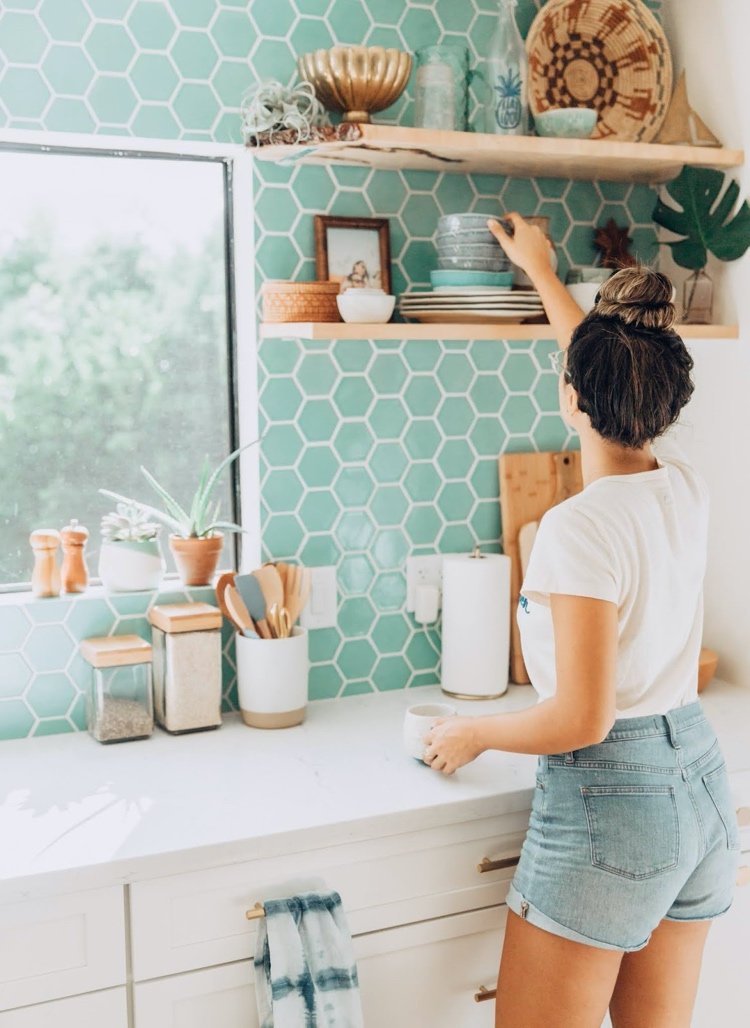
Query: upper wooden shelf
(398,330)
(397,147)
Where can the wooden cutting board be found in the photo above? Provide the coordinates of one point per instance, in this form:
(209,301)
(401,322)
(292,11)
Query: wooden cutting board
(530,483)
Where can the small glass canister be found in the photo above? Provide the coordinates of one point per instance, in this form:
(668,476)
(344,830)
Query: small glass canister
(119,704)
(186,639)
(441,87)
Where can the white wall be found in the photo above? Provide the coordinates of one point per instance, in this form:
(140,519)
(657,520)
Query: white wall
(710,41)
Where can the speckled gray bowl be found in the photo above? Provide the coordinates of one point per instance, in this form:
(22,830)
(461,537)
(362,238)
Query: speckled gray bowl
(474,264)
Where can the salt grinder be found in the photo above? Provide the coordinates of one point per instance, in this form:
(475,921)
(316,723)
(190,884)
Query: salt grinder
(45,578)
(74,574)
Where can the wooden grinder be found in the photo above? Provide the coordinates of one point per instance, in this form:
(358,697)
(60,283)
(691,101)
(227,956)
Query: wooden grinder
(74,574)
(45,578)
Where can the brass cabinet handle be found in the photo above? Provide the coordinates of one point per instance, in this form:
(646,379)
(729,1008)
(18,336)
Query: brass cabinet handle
(743,816)
(743,875)
(484,993)
(488,864)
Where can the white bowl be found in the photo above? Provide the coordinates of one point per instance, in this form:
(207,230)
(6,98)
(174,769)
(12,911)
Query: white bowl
(366,306)
(584,294)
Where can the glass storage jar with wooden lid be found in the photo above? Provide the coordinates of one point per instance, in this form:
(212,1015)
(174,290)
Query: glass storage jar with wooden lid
(119,704)
(186,640)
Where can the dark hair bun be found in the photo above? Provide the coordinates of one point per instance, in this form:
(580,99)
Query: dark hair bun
(638,297)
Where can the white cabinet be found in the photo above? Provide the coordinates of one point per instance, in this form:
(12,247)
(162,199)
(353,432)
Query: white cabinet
(108,1009)
(222,997)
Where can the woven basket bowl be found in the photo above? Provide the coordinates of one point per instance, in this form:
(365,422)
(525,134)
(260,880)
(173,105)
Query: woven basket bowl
(358,80)
(608,54)
(300,301)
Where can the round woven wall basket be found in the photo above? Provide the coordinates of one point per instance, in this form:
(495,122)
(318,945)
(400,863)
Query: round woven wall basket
(608,54)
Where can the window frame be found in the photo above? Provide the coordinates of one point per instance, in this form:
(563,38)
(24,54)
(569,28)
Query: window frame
(242,333)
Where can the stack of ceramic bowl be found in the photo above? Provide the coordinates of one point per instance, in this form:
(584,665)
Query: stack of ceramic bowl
(464,243)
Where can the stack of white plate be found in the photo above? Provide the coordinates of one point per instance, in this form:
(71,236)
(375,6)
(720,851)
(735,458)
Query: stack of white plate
(471,305)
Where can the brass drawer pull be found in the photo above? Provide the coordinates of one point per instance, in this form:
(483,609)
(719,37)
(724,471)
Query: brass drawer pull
(484,993)
(743,875)
(488,864)
(743,816)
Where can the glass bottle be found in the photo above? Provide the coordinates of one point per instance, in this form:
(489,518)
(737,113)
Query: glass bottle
(506,69)
(698,299)
(441,93)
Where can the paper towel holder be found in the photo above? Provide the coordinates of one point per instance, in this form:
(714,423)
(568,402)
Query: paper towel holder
(476,553)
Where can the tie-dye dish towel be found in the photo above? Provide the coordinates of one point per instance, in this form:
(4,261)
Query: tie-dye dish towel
(305,973)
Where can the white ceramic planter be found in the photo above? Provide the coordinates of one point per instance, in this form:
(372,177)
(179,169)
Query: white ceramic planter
(272,680)
(131,566)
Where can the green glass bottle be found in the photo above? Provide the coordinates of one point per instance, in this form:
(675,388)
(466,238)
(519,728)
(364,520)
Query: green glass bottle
(506,71)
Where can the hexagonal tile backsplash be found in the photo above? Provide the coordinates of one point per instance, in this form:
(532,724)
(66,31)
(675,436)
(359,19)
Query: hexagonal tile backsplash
(372,450)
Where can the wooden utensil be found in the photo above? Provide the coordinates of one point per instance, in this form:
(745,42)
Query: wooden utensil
(253,598)
(526,537)
(223,581)
(271,585)
(707,664)
(45,578)
(238,612)
(530,483)
(272,617)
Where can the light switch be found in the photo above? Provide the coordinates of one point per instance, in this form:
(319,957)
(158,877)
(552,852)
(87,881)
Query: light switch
(321,608)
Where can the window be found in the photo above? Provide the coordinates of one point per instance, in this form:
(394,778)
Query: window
(115,339)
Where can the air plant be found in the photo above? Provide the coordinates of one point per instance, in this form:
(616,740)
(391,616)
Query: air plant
(268,108)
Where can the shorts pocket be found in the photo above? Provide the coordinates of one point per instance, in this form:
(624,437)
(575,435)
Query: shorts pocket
(634,830)
(717,786)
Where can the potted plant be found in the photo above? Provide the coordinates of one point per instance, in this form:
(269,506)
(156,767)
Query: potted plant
(130,559)
(197,533)
(705,222)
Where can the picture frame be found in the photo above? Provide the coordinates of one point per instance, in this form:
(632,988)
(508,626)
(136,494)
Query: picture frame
(353,251)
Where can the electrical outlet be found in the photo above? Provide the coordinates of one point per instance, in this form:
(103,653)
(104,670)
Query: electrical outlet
(320,610)
(426,570)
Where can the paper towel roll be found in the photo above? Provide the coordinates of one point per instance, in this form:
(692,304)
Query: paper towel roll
(476,625)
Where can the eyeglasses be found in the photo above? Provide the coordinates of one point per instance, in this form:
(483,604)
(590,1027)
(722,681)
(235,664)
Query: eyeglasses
(557,360)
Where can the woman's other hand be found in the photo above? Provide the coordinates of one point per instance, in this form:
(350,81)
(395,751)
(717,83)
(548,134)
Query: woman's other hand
(528,247)
(451,743)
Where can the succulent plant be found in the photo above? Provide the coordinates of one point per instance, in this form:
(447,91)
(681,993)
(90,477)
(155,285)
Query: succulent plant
(128,523)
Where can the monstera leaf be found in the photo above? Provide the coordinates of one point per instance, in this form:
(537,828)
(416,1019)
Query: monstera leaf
(704,218)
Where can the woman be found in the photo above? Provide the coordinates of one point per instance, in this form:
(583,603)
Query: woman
(632,844)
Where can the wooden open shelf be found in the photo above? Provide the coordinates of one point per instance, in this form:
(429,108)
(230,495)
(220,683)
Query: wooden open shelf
(393,330)
(398,147)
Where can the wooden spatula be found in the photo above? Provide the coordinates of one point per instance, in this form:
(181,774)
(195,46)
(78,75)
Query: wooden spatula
(221,584)
(271,585)
(252,596)
(238,612)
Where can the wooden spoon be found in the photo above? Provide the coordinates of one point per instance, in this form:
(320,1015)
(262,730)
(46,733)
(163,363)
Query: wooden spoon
(271,585)
(221,584)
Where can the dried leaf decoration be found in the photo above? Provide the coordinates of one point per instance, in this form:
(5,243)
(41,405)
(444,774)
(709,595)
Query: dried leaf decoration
(614,243)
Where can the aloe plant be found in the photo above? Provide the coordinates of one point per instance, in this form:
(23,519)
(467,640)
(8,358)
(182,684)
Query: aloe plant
(202,518)
(704,218)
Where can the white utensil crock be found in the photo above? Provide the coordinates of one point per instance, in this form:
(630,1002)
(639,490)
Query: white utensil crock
(272,680)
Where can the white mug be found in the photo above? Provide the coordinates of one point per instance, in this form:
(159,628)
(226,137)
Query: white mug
(417,723)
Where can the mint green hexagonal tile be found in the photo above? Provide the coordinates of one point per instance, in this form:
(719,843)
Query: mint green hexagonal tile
(353,355)
(275,208)
(454,17)
(455,458)
(579,245)
(616,212)
(422,482)
(134,626)
(227,129)
(351,204)
(353,396)
(419,260)
(641,202)
(24,92)
(455,416)
(109,8)
(645,245)
(454,193)
(194,13)
(319,551)
(390,633)
(356,659)
(310,34)
(319,510)
(230,81)
(317,421)
(485,479)
(456,539)
(280,399)
(109,47)
(455,372)
(280,356)
(388,462)
(353,441)
(552,188)
(455,501)
(318,466)
(421,652)
(518,414)
(51,694)
(154,77)
(53,726)
(355,573)
(550,432)
(282,491)
(282,536)
(389,591)
(547,393)
(388,418)
(313,187)
(380,36)
(281,445)
(22,38)
(422,354)
(324,682)
(388,505)
(67,22)
(67,69)
(583,201)
(354,530)
(387,192)
(16,720)
(15,674)
(134,603)
(44,612)
(14,627)
(89,618)
(558,217)
(274,18)
(485,521)
(488,436)
(155,123)
(194,54)
(353,486)
(271,57)
(112,99)
(356,615)
(518,372)
(323,644)
(391,673)
(277,257)
(519,195)
(390,548)
(423,525)
(422,395)
(349,22)
(487,394)
(48,648)
(387,373)
(151,25)
(420,27)
(196,106)
(317,374)
(420,215)
(350,177)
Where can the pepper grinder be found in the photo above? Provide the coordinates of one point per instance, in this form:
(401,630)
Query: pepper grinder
(74,574)
(45,578)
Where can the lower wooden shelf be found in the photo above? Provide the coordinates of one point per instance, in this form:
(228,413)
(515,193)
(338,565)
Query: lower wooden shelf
(343,330)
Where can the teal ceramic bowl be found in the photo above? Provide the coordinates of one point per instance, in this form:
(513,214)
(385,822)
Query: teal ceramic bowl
(498,279)
(566,122)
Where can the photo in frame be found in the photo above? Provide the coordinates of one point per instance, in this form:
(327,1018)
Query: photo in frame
(356,252)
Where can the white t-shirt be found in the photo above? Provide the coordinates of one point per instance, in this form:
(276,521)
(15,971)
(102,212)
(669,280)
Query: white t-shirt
(639,541)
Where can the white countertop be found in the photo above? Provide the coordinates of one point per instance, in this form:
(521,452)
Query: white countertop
(78,814)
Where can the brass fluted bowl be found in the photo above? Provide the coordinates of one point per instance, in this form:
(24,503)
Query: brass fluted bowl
(358,80)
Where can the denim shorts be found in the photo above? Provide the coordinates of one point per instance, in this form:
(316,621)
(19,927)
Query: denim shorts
(638,828)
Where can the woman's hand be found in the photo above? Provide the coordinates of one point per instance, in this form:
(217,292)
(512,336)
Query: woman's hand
(528,247)
(451,743)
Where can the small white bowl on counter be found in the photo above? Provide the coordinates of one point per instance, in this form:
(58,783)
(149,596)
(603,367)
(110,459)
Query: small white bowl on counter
(366,306)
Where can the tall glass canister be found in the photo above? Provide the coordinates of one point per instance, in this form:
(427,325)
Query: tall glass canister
(441,87)
(506,72)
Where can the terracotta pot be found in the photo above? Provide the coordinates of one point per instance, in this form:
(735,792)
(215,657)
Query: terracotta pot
(196,559)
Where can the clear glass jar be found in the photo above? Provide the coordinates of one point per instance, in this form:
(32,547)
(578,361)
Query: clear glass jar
(441,87)
(119,702)
(186,641)
(698,299)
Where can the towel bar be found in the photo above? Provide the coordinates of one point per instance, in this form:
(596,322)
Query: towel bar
(257,911)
